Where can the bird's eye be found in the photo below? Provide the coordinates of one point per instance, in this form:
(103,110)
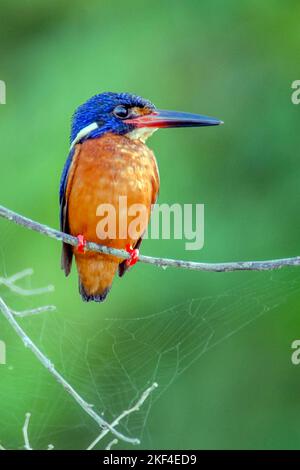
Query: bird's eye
(121,112)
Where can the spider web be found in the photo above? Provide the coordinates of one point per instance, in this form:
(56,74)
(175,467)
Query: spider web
(112,363)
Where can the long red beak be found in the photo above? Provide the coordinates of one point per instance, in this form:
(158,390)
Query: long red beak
(161,118)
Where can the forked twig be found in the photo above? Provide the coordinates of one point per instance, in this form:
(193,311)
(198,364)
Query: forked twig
(11,315)
(125,413)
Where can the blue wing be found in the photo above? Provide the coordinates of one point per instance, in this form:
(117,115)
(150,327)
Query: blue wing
(67,252)
(64,182)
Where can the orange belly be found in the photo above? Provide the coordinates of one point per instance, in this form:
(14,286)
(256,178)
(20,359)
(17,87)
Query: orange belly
(103,170)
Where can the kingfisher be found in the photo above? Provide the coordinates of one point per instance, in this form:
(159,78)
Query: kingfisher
(107,162)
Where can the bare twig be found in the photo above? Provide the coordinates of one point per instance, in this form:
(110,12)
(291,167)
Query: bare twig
(267,265)
(27,445)
(58,377)
(9,282)
(10,315)
(34,311)
(111,443)
(125,413)
(20,275)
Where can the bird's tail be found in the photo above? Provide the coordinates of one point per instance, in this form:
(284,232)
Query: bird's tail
(88,297)
(96,273)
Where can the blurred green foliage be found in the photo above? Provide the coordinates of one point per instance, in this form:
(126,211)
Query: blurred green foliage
(233,60)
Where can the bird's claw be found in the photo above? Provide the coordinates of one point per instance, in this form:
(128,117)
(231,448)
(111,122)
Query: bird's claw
(81,243)
(134,255)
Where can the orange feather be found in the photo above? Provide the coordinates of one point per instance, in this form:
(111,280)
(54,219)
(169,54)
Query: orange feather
(102,170)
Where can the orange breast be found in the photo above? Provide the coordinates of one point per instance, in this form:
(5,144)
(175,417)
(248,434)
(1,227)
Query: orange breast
(104,170)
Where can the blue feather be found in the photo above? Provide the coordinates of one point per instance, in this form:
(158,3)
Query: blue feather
(63,183)
(98,109)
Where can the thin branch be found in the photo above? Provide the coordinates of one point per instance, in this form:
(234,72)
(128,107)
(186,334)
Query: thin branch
(27,445)
(9,315)
(125,413)
(20,275)
(9,282)
(112,443)
(33,311)
(267,265)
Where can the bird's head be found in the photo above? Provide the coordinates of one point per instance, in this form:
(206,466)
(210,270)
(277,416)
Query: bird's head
(127,114)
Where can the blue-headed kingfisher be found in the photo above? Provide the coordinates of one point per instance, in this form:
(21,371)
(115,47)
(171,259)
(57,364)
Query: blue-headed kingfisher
(108,159)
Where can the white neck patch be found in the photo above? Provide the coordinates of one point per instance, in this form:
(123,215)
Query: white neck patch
(83,133)
(141,133)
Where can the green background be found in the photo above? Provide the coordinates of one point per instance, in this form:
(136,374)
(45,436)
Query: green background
(234,60)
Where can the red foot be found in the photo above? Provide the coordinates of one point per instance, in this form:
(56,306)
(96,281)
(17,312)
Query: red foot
(81,243)
(134,255)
